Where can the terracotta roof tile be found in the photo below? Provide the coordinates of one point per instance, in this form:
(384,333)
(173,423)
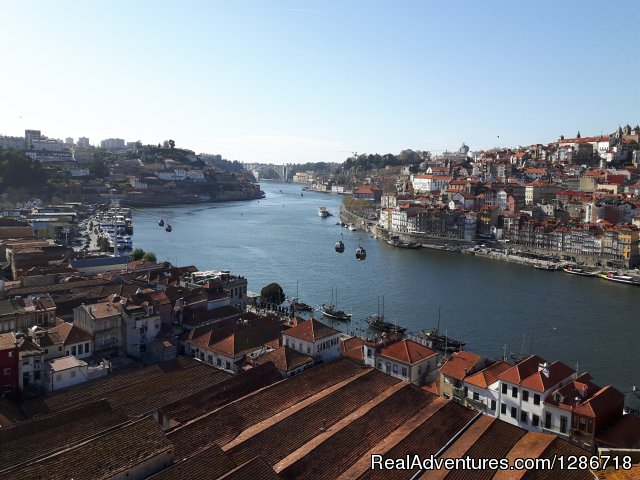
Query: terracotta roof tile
(407,351)
(286,359)
(487,376)
(460,364)
(310,330)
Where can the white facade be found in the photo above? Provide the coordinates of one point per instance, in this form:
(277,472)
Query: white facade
(68,371)
(430,183)
(79,350)
(30,369)
(483,399)
(324,349)
(406,372)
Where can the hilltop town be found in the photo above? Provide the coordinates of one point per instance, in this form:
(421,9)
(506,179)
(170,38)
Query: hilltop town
(122,172)
(575,199)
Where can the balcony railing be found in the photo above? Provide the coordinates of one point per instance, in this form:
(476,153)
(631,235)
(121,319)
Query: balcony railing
(479,405)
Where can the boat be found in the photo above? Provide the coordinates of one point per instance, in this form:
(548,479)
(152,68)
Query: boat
(377,322)
(323,212)
(299,306)
(339,245)
(437,341)
(579,271)
(331,309)
(396,242)
(550,267)
(614,277)
(351,227)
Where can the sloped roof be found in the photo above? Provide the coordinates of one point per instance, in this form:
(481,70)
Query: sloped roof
(286,359)
(459,364)
(247,340)
(541,382)
(601,402)
(521,370)
(489,375)
(625,433)
(407,351)
(70,333)
(310,330)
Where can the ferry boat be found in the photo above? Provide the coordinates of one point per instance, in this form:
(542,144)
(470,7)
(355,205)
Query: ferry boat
(396,242)
(440,342)
(579,271)
(323,212)
(614,277)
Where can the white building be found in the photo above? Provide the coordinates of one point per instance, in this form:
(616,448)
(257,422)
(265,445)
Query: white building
(407,360)
(30,362)
(430,182)
(76,342)
(483,388)
(313,338)
(523,389)
(68,371)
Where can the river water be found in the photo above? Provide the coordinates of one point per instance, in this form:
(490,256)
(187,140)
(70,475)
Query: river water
(485,303)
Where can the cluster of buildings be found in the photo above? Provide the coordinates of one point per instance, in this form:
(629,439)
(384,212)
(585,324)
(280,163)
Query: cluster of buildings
(576,197)
(136,174)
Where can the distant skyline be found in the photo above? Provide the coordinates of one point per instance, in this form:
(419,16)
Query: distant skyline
(299,81)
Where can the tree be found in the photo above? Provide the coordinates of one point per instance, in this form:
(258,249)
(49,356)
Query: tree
(98,168)
(272,293)
(103,244)
(172,144)
(137,254)
(150,257)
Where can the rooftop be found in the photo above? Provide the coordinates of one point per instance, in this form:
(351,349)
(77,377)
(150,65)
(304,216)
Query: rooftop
(310,330)
(407,351)
(286,359)
(460,364)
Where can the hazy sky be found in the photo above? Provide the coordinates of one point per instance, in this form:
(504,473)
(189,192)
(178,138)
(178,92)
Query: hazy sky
(295,81)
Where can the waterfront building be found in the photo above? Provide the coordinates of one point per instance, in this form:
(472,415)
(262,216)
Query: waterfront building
(454,371)
(482,389)
(406,360)
(523,389)
(313,338)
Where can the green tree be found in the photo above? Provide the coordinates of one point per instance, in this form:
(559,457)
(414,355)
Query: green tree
(272,293)
(98,168)
(150,257)
(103,244)
(172,144)
(19,171)
(137,254)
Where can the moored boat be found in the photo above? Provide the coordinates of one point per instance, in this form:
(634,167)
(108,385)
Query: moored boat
(377,322)
(579,271)
(323,212)
(396,242)
(614,277)
(332,311)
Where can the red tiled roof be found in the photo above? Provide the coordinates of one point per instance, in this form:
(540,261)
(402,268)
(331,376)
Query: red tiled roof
(540,382)
(459,364)
(489,375)
(521,370)
(286,359)
(407,351)
(310,330)
(625,433)
(601,402)
(70,334)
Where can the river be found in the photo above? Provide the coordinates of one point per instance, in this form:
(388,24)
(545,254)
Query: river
(486,303)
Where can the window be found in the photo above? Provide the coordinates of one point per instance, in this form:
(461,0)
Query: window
(308,350)
(514,392)
(25,362)
(536,399)
(58,378)
(218,362)
(523,416)
(525,395)
(369,353)
(80,347)
(228,365)
(395,368)
(46,351)
(563,424)
(404,371)
(503,408)
(590,425)
(514,412)
(86,347)
(535,420)
(73,374)
(388,366)
(419,369)
(379,365)
(504,388)
(476,397)
(547,420)
(493,404)
(7,371)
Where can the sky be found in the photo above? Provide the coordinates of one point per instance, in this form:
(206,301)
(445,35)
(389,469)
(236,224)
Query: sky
(296,81)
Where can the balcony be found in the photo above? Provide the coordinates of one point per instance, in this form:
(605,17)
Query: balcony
(479,405)
(458,393)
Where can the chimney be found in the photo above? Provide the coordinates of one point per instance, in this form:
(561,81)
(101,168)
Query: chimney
(544,368)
